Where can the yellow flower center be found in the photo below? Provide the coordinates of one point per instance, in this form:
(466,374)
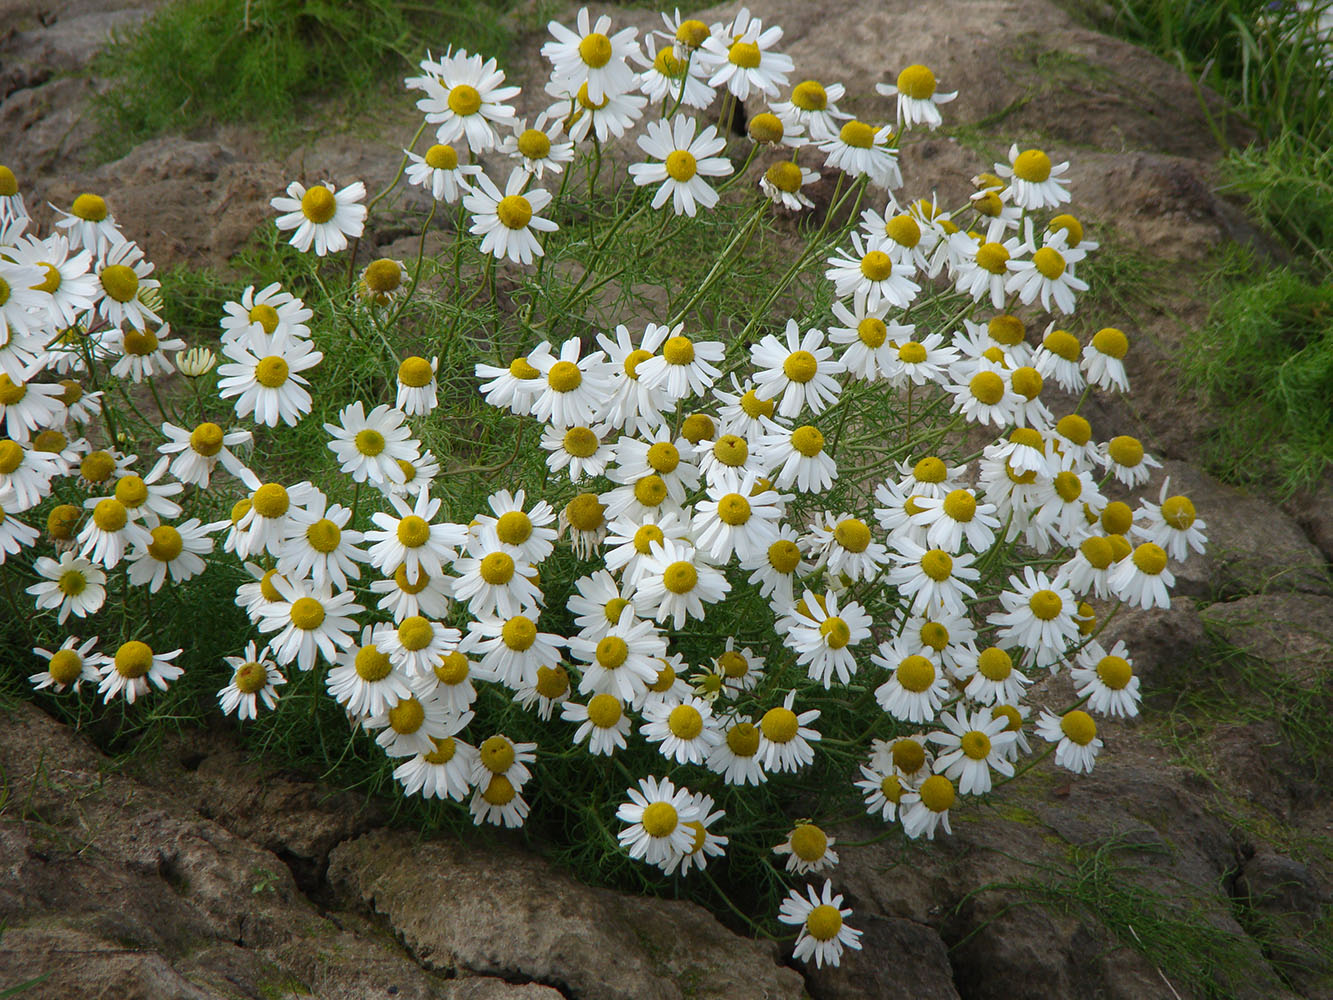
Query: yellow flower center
(62,520)
(678,351)
(917,82)
(73,392)
(272,371)
(633,359)
(995,664)
(464,100)
(1150,558)
(1125,450)
(685,722)
(581,442)
(937,564)
(514,211)
(937,793)
(1117,517)
(746,55)
(110,515)
(383,276)
(139,343)
(931,469)
(604,711)
(564,376)
(877,265)
(595,50)
(120,282)
(270,500)
(371,665)
(645,536)
(65,667)
(1115,672)
(519,633)
(400,579)
(858,134)
(911,353)
(1070,225)
(650,491)
(698,427)
(934,636)
(1079,727)
(993,257)
(552,682)
(133,659)
(810,95)
(1032,165)
(807,440)
(1097,551)
(1045,605)
(1062,344)
(824,922)
(497,754)
(318,204)
(1111,342)
(987,387)
(413,531)
(743,739)
(1074,428)
(892,788)
(588,103)
(767,127)
(89,207)
(513,527)
(407,716)
(852,534)
(166,543)
(659,819)
(667,63)
(9,185)
(1068,486)
(835,632)
(266,316)
(784,556)
(267,587)
(499,791)
(1049,263)
(872,332)
(908,756)
(251,678)
(975,745)
(497,569)
(1014,721)
(692,33)
(960,505)
(733,509)
(784,175)
(779,725)
(369,442)
(206,439)
(1027,382)
(1178,512)
(415,633)
(444,750)
(51,283)
(307,613)
(1120,548)
(324,536)
(534,144)
(809,842)
(440,157)
(453,669)
(915,673)
(903,230)
(680,577)
(681,165)
(72,583)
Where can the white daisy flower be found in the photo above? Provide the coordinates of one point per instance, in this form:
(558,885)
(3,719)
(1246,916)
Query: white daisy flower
(443,773)
(584,518)
(428,596)
(973,747)
(505,222)
(512,650)
(882,792)
(602,723)
(677,582)
(739,517)
(132,668)
(263,524)
(265,377)
(413,725)
(845,547)
(991,678)
(416,646)
(90,223)
(589,57)
(782,182)
(921,362)
(630,543)
(984,265)
(197,452)
(916,687)
(871,342)
(450,681)
(440,172)
(925,809)
(1104,359)
(623,662)
(465,97)
(871,276)
(861,150)
(1088,570)
(1107,679)
(499,756)
(597,603)
(123,276)
(271,309)
(631,405)
(370,446)
(1034,182)
(106,535)
(736,756)
(72,584)
(813,108)
(572,390)
(918,96)
(146,498)
(321,215)
(775,570)
(802,371)
(706,844)
(67,667)
(610,118)
(549,689)
(411,540)
(27,407)
(956,517)
(536,148)
(684,368)
(685,731)
(785,737)
(175,550)
(656,816)
(986,397)
(741,57)
(1172,523)
(364,680)
(417,386)
(144,353)
(67,276)
(740,413)
(1049,274)
(582,450)
(318,544)
(310,621)
(686,159)
(822,636)
(822,919)
(1057,358)
(809,850)
(1038,615)
(1124,456)
(498,802)
(1075,737)
(671,77)
(659,455)
(254,679)
(525,533)
(1143,580)
(491,581)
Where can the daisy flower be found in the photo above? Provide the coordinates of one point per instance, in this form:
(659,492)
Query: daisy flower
(321,215)
(1034,182)
(370,446)
(498,802)
(26,406)
(364,680)
(845,547)
(916,687)
(108,533)
(147,498)
(881,791)
(597,603)
(90,223)
(68,281)
(918,96)
(525,533)
(955,517)
(821,918)
(624,661)
(310,621)
(580,449)
(417,645)
(813,108)
(658,455)
(589,57)
(177,550)
(512,650)
(986,263)
(143,353)
(677,582)
(443,773)
(318,544)
(1172,523)
(782,182)
(631,541)
(506,222)
(822,636)
(973,747)
(270,308)
(464,98)
(932,578)
(1038,615)
(1075,737)
(491,581)
(68,666)
(685,366)
(265,378)
(584,518)
(263,524)
(801,370)
(872,276)
(602,723)
(572,390)
(686,159)
(740,413)
(861,150)
(739,517)
(670,76)
(411,540)
(1107,679)
(741,57)
(132,668)
(440,172)
(450,681)
(990,677)
(536,148)
(123,276)
(254,678)
(413,725)
(925,809)
(871,342)
(685,731)
(631,405)
(775,570)
(1104,359)
(655,819)
(985,397)
(610,118)
(921,362)
(809,850)
(1124,456)
(1049,274)
(428,596)
(736,755)
(197,452)
(785,738)
(706,844)
(1143,580)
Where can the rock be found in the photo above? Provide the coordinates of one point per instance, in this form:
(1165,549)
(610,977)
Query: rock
(1253,547)
(1287,909)
(512,915)
(1290,633)
(899,960)
(1313,510)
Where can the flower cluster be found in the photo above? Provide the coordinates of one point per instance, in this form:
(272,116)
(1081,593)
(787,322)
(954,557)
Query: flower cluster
(717,534)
